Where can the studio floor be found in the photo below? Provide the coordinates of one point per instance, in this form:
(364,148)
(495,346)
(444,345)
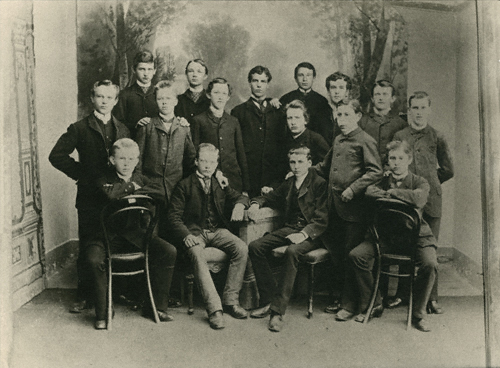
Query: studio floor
(46,335)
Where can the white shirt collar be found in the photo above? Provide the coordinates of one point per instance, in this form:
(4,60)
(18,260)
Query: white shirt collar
(304,91)
(102,117)
(215,112)
(197,89)
(125,178)
(143,85)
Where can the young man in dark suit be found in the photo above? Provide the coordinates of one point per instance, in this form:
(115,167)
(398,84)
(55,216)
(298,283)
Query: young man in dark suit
(92,137)
(197,219)
(262,129)
(316,104)
(303,197)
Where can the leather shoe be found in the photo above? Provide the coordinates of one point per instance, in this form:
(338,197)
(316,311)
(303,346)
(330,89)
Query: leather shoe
(343,315)
(261,312)
(375,313)
(434,308)
(235,311)
(100,324)
(164,316)
(275,323)
(420,324)
(80,306)
(395,302)
(216,320)
(333,308)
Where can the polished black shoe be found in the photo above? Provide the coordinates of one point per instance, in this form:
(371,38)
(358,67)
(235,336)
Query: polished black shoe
(375,313)
(216,320)
(333,308)
(434,308)
(275,323)
(80,306)
(235,311)
(163,316)
(261,312)
(344,315)
(420,324)
(395,302)
(100,324)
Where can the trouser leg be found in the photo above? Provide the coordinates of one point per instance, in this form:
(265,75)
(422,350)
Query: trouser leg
(435,225)
(237,251)
(258,251)
(427,262)
(95,257)
(162,257)
(288,273)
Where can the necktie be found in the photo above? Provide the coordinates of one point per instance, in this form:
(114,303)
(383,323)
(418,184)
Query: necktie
(195,96)
(206,188)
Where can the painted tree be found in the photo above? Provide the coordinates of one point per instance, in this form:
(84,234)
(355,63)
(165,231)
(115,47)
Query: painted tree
(223,45)
(374,30)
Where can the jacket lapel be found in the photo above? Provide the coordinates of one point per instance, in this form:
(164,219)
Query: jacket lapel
(93,124)
(305,185)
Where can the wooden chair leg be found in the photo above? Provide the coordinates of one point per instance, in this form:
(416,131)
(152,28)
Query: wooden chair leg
(109,313)
(374,291)
(150,291)
(311,291)
(190,282)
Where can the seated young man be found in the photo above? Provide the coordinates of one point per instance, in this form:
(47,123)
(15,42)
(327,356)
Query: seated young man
(123,181)
(197,219)
(303,197)
(410,188)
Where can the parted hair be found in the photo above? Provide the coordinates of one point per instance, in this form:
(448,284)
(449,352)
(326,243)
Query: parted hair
(298,104)
(302,150)
(356,106)
(404,145)
(219,80)
(144,57)
(419,95)
(104,82)
(304,64)
(384,83)
(164,84)
(259,69)
(206,147)
(197,61)
(124,143)
(336,76)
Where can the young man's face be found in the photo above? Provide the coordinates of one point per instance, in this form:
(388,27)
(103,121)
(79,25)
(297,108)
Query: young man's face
(299,164)
(196,74)
(207,163)
(166,99)
(125,160)
(305,78)
(347,119)
(145,72)
(104,99)
(338,90)
(399,161)
(419,113)
(219,96)
(383,98)
(259,84)
(296,121)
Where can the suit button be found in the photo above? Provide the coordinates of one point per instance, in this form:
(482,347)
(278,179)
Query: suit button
(220,138)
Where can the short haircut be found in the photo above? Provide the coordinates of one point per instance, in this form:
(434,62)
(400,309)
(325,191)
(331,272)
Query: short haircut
(144,57)
(302,150)
(384,83)
(356,106)
(206,147)
(198,61)
(164,84)
(124,143)
(298,104)
(259,69)
(218,80)
(395,145)
(104,82)
(419,95)
(307,65)
(336,76)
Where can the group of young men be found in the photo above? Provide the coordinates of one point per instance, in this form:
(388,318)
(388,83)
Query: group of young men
(317,160)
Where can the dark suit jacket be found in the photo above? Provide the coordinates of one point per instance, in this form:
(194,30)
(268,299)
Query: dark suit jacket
(226,136)
(185,210)
(312,199)
(413,190)
(133,105)
(188,109)
(165,161)
(352,162)
(86,137)
(318,108)
(262,133)
(431,160)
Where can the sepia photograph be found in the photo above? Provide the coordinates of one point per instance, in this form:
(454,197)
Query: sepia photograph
(259,183)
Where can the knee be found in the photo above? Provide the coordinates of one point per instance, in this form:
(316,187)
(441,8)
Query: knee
(293,252)
(255,249)
(95,257)
(359,259)
(241,249)
(163,252)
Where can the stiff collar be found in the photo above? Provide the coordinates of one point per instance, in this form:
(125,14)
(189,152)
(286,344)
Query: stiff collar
(304,92)
(212,113)
(351,133)
(102,117)
(142,85)
(124,178)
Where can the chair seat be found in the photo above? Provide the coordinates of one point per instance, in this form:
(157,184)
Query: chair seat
(127,257)
(313,257)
